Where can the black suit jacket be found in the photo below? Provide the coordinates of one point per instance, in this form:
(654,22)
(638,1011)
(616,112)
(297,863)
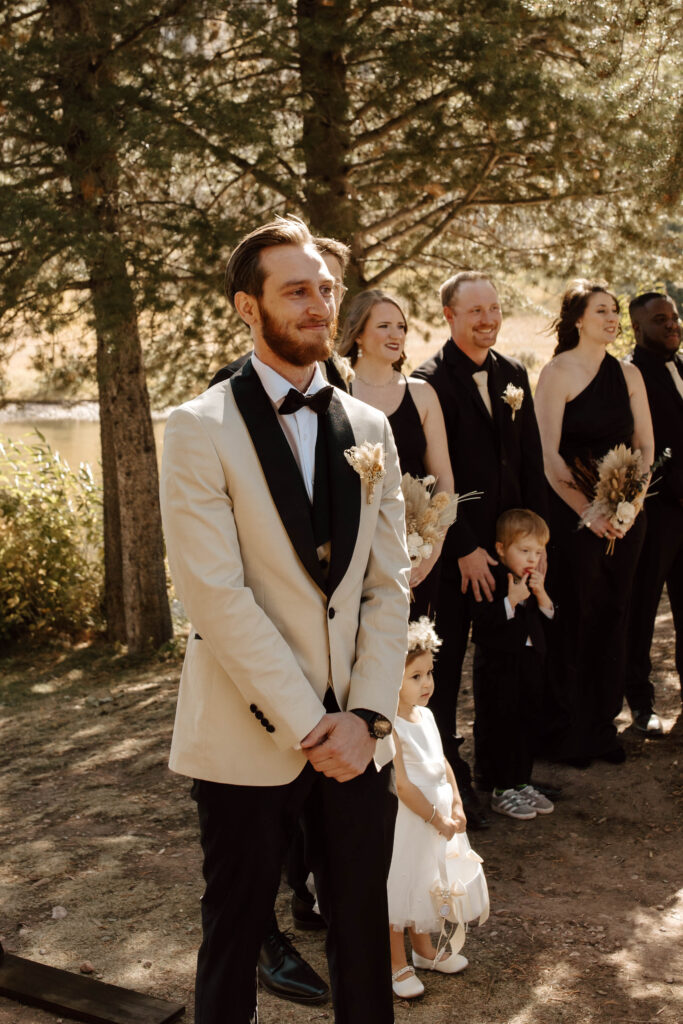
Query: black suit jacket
(331,372)
(492,629)
(497,455)
(666,406)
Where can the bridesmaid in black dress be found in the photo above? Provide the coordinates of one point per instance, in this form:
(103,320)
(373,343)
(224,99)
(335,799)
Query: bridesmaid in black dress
(586,403)
(373,338)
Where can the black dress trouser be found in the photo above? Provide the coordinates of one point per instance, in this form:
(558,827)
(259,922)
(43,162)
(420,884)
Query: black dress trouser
(507,696)
(453,619)
(660,562)
(245,832)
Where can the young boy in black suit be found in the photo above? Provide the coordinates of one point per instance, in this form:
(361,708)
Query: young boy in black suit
(508,634)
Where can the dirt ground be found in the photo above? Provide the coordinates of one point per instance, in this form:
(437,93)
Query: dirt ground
(587,904)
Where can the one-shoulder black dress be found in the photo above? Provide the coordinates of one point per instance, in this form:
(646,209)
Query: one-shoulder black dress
(590,587)
(409,435)
(411,445)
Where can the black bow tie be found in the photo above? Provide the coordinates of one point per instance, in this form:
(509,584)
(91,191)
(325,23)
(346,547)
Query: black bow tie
(319,402)
(486,366)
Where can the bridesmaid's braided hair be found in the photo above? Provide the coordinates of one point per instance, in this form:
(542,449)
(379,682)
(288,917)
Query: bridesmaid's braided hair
(574,302)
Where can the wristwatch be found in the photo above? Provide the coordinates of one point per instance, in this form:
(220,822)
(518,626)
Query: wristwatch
(379,727)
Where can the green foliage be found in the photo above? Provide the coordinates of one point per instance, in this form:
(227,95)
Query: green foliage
(50,538)
(518,135)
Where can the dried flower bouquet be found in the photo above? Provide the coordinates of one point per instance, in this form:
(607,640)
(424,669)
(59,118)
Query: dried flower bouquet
(615,487)
(428,515)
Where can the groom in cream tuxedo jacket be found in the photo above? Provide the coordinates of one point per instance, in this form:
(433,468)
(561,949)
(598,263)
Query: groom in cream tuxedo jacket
(294,574)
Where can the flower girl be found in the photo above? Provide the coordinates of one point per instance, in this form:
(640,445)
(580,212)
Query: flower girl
(429,841)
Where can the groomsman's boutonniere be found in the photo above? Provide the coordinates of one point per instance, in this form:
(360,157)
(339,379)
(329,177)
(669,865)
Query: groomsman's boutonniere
(343,367)
(513,396)
(368,461)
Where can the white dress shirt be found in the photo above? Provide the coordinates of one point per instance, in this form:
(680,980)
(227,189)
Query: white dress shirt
(301,427)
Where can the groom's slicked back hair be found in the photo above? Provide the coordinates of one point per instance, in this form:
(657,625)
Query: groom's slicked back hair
(244,272)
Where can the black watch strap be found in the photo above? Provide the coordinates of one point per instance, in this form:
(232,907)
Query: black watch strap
(370,718)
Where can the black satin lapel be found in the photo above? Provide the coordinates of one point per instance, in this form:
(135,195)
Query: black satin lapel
(345,492)
(333,375)
(279,467)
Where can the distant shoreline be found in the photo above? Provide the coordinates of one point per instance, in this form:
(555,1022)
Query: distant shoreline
(39,409)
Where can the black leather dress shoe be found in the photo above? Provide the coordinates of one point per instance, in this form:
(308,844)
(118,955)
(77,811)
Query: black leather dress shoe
(617,755)
(476,819)
(552,792)
(577,762)
(284,972)
(305,917)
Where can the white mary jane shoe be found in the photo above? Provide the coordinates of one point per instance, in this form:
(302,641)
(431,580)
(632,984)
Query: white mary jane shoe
(451,965)
(411,987)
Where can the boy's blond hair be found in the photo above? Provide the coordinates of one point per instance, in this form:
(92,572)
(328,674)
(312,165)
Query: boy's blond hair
(422,638)
(521,522)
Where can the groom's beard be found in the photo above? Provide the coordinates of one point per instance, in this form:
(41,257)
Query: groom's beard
(285,342)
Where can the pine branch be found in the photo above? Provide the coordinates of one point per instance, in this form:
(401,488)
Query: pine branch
(159,19)
(219,150)
(418,109)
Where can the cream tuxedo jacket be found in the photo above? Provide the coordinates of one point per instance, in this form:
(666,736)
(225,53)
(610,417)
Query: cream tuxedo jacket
(269,631)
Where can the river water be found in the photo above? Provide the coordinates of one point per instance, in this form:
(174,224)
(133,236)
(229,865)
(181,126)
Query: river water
(76,438)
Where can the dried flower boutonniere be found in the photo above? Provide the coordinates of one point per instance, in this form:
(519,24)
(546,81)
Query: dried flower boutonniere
(368,461)
(343,367)
(513,396)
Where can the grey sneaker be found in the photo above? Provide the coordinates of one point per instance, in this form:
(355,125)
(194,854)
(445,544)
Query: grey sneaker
(511,803)
(538,801)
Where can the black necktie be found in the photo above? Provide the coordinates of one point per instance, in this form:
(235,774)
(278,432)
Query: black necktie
(319,402)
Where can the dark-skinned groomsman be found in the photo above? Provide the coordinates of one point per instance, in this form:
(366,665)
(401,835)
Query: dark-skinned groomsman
(658,336)
(281,968)
(493,449)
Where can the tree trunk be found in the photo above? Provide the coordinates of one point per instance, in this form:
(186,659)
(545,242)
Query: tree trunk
(114,614)
(325,136)
(136,601)
(127,423)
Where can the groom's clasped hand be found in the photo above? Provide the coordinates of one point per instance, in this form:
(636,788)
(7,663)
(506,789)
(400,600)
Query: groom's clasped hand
(339,746)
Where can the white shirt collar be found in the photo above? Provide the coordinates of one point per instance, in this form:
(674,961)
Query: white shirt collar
(276,387)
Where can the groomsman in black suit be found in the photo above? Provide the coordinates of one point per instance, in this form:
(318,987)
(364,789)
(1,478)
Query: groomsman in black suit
(495,448)
(658,336)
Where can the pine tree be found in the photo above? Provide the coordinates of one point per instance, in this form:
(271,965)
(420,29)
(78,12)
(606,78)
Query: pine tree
(65,80)
(142,138)
(432,136)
